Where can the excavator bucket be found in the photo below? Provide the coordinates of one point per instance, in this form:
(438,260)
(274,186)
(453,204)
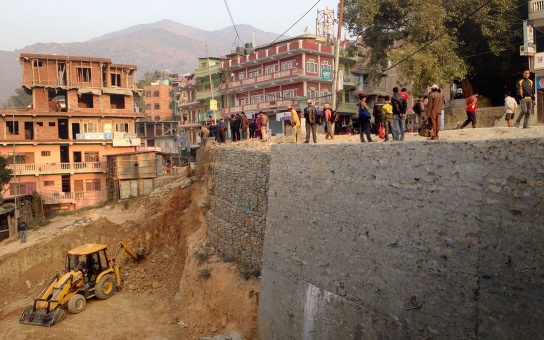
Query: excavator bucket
(41,317)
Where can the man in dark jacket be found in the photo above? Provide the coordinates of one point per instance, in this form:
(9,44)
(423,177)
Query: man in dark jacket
(526,91)
(22,227)
(399,112)
(310,113)
(377,112)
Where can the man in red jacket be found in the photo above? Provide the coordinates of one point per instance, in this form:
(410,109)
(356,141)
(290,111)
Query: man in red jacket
(472,105)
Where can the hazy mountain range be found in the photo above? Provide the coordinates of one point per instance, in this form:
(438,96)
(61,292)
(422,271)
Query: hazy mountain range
(164,45)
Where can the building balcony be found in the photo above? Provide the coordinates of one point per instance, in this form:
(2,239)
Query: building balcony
(182,105)
(350,81)
(37,169)
(350,108)
(204,72)
(267,78)
(536,12)
(266,106)
(206,94)
(74,196)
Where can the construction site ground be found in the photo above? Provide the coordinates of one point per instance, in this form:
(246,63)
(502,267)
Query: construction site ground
(168,294)
(164,296)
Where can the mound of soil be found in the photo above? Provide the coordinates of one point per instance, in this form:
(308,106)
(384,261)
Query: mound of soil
(170,294)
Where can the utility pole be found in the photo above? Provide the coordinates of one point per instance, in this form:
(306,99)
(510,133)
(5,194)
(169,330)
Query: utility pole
(14,226)
(337,56)
(211,84)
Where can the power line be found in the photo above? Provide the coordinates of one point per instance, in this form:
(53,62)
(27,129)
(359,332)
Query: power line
(232,20)
(318,1)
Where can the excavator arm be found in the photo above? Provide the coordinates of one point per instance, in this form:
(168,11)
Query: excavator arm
(136,253)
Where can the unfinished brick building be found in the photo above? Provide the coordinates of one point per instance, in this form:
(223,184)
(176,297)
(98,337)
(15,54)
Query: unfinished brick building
(82,109)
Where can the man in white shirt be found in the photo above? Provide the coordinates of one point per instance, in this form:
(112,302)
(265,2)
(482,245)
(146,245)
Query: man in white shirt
(510,105)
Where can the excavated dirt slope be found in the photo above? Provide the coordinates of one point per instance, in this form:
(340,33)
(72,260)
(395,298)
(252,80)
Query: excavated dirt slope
(164,296)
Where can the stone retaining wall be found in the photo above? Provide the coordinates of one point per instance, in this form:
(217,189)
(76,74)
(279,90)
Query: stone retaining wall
(238,184)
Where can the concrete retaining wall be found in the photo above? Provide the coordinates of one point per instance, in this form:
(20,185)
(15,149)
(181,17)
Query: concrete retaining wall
(414,240)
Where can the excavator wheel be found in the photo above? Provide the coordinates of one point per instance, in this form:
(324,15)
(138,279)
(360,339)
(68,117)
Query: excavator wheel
(104,288)
(76,304)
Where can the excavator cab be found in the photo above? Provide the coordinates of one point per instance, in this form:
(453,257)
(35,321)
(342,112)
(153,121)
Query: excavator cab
(88,273)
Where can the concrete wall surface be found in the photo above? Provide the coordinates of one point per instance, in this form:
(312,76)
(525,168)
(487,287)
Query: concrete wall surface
(415,240)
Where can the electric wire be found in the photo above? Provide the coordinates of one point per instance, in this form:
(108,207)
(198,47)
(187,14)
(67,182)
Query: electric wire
(233,24)
(302,17)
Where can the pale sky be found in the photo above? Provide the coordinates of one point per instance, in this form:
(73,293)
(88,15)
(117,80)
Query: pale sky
(26,22)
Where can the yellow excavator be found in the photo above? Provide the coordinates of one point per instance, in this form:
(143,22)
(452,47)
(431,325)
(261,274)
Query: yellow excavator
(88,273)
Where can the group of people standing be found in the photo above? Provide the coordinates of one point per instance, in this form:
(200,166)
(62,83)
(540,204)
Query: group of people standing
(240,127)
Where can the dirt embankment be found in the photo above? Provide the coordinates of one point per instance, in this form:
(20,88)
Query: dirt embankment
(164,296)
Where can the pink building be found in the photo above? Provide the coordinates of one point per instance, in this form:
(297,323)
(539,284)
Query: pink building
(83,109)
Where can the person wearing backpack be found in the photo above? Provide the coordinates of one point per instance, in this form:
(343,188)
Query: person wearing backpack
(364,119)
(310,113)
(328,120)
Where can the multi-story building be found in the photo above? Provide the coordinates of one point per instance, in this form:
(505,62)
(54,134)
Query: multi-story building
(159,98)
(188,107)
(536,15)
(208,76)
(82,109)
(285,72)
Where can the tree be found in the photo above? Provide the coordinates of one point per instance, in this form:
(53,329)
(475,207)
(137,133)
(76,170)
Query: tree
(433,41)
(5,174)
(19,99)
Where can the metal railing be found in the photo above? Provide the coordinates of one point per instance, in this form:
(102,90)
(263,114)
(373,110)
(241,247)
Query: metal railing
(60,197)
(56,168)
(263,78)
(536,9)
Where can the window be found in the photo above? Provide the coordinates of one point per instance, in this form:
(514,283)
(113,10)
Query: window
(216,85)
(204,65)
(121,127)
(91,156)
(148,106)
(157,106)
(46,153)
(270,69)
(207,87)
(311,66)
(242,75)
(157,118)
(83,74)
(271,96)
(325,65)
(155,93)
(117,101)
(288,94)
(326,96)
(39,123)
(17,188)
(312,93)
(48,183)
(287,65)
(257,99)
(51,123)
(148,93)
(115,79)
(37,63)
(254,73)
(92,185)
(13,127)
(90,127)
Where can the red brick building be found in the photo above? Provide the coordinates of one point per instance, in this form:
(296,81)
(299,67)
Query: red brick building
(274,75)
(82,109)
(159,101)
